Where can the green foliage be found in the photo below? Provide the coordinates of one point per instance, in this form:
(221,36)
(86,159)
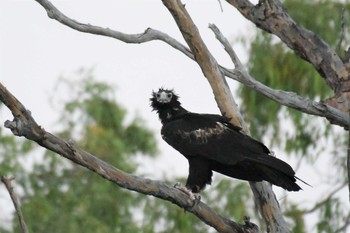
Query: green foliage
(332,216)
(324,18)
(102,124)
(231,198)
(164,217)
(10,149)
(282,70)
(296,216)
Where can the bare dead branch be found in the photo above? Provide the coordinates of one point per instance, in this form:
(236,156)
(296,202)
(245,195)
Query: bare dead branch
(148,35)
(24,125)
(271,17)
(289,99)
(222,9)
(7,182)
(227,46)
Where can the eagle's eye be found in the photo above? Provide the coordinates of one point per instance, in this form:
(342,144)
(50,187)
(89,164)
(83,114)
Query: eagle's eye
(169,95)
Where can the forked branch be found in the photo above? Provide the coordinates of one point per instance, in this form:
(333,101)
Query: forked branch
(286,98)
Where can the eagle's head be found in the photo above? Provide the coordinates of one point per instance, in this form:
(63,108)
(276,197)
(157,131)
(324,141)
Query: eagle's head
(164,98)
(167,104)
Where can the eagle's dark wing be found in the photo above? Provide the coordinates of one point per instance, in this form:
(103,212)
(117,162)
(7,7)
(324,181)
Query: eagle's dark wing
(211,136)
(214,138)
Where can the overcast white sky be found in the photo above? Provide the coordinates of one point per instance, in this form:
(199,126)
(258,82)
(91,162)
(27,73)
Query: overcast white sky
(35,51)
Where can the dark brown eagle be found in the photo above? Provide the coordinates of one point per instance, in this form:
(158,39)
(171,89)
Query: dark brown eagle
(211,143)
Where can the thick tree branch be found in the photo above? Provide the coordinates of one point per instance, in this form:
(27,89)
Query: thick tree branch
(264,196)
(206,61)
(289,99)
(270,16)
(24,125)
(7,182)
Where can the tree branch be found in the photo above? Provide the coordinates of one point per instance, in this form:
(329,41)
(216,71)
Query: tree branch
(8,185)
(270,16)
(24,125)
(288,99)
(148,35)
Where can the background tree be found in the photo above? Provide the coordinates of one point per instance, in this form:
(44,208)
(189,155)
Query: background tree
(264,15)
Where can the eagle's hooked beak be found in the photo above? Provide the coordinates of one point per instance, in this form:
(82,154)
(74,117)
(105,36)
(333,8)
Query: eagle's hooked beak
(163,97)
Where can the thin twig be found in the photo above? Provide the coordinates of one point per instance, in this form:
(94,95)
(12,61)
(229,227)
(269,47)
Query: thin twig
(345,225)
(325,200)
(228,48)
(222,9)
(7,182)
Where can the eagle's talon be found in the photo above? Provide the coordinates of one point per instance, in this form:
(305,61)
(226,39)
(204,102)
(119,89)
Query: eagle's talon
(195,197)
(196,200)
